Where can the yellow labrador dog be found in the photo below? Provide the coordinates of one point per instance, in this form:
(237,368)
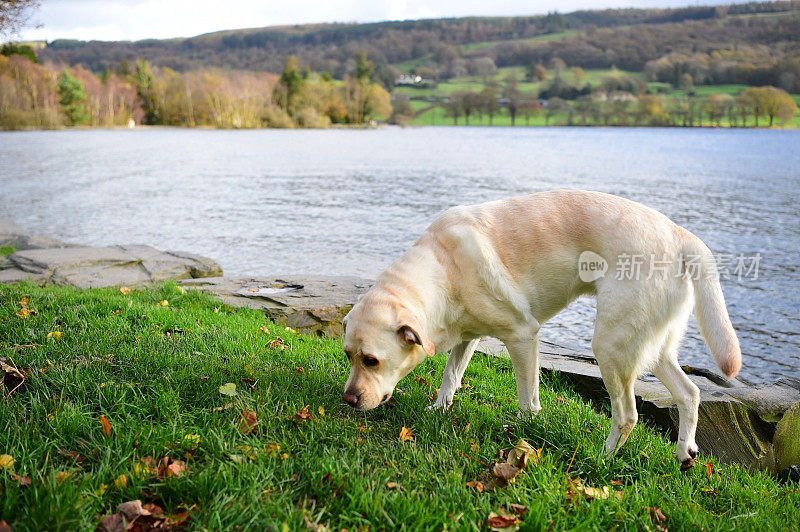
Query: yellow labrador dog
(503,268)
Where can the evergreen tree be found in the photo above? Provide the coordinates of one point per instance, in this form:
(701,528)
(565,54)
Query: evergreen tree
(143,79)
(72,97)
(364,67)
(289,84)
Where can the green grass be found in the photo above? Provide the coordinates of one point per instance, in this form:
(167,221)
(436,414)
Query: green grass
(531,40)
(154,373)
(7,250)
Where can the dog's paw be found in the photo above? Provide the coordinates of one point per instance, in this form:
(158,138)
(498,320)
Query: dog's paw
(442,407)
(527,414)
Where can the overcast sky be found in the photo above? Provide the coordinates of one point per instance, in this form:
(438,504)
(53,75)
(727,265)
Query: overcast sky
(140,19)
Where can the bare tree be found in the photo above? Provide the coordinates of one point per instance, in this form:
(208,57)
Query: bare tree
(14,14)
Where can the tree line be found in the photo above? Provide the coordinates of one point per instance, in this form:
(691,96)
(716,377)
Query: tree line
(33,95)
(610,105)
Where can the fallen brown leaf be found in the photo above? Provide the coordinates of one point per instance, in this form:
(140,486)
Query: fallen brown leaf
(12,378)
(394,486)
(277,343)
(522,453)
(106,426)
(420,380)
(406,434)
(133,516)
(132,509)
(477,484)
(112,523)
(170,467)
(23,481)
(71,454)
(709,468)
(503,520)
(658,518)
(304,413)
(505,473)
(518,509)
(248,421)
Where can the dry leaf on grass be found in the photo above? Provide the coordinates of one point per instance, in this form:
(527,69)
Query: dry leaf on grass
(124,290)
(77,458)
(23,481)
(522,453)
(12,378)
(576,489)
(519,509)
(277,343)
(6,461)
(106,426)
(304,413)
(709,468)
(505,473)
(406,434)
(658,518)
(248,421)
(133,516)
(394,486)
(503,520)
(477,484)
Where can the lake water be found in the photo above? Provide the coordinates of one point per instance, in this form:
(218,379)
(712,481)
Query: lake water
(347,202)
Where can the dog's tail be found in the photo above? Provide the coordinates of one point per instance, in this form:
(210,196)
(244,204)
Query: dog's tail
(709,306)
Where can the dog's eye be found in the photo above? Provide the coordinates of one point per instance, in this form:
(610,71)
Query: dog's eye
(370,362)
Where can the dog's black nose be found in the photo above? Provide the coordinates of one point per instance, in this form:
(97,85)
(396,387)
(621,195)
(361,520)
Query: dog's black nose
(351,399)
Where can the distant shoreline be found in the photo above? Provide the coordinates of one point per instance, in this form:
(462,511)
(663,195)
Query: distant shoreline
(790,127)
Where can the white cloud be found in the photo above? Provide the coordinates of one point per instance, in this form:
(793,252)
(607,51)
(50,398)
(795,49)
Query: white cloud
(140,19)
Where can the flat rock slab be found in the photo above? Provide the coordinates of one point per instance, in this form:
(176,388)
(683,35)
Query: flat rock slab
(12,235)
(309,304)
(95,267)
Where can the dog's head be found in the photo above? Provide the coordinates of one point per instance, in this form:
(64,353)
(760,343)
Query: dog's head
(383,341)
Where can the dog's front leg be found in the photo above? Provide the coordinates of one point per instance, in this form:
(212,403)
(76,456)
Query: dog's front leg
(524,353)
(457,363)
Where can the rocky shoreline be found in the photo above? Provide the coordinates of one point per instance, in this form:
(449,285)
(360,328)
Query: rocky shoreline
(755,426)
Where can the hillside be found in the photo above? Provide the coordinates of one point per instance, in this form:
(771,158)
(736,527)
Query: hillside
(761,35)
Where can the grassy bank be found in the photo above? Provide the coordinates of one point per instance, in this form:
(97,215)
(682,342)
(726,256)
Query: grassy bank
(114,380)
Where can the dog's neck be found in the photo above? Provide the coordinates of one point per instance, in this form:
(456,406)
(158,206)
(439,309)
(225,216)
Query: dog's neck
(421,284)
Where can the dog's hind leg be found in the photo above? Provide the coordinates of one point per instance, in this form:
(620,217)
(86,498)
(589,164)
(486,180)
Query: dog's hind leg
(524,353)
(686,396)
(617,363)
(457,363)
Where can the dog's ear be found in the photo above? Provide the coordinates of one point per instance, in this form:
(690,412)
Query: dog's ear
(410,335)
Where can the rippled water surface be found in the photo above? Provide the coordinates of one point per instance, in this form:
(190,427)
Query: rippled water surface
(342,202)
